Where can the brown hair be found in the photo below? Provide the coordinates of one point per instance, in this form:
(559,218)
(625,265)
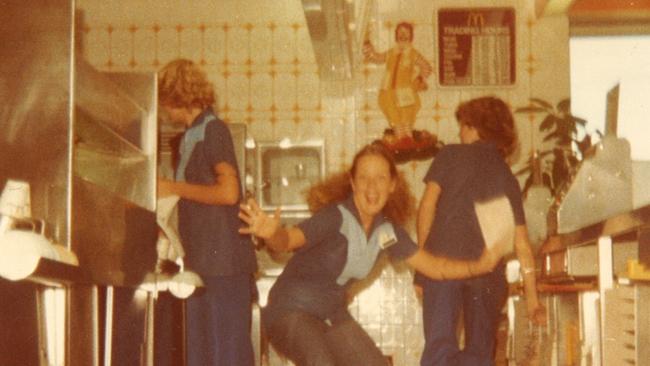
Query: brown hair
(181,83)
(400,205)
(406,25)
(492,119)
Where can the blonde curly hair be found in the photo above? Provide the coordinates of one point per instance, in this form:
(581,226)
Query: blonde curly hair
(400,205)
(182,84)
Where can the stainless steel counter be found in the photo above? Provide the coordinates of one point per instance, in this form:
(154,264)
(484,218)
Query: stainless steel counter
(574,256)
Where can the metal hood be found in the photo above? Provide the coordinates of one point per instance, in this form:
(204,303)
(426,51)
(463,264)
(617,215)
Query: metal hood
(331,25)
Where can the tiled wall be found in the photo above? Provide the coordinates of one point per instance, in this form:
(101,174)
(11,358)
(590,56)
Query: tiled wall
(259,55)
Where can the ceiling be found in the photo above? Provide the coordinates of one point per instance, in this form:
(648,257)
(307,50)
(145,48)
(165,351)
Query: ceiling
(581,6)
(600,17)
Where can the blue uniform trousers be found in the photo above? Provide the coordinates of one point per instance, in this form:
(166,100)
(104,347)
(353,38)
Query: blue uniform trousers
(481,300)
(219,322)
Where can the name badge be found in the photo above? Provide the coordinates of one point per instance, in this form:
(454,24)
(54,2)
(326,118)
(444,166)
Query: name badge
(387,239)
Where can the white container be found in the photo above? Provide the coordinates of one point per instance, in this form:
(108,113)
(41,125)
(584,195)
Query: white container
(15,200)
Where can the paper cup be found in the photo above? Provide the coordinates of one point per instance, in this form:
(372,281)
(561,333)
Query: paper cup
(15,200)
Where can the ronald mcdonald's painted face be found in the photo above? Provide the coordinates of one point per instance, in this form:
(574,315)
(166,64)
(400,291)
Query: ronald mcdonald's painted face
(404,34)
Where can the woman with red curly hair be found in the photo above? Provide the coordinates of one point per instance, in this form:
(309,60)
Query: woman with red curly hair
(358,214)
(207,181)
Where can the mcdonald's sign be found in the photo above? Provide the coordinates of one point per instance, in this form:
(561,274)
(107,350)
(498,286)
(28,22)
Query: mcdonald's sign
(475,19)
(476,46)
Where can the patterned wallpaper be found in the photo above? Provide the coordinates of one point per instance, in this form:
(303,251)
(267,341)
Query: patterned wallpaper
(266,75)
(260,58)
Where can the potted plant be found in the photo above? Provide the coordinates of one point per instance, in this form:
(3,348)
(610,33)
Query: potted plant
(551,170)
(555,166)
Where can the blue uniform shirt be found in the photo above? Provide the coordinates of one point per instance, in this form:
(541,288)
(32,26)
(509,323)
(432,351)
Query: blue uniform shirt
(467,173)
(209,233)
(336,252)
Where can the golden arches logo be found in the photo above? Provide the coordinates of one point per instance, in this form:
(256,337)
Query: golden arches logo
(475,20)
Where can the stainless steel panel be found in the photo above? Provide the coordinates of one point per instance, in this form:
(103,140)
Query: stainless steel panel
(627,223)
(19,324)
(581,261)
(35,82)
(601,188)
(85,141)
(626,325)
(113,238)
(567,327)
(114,174)
(115,133)
(286,171)
(643,321)
(619,327)
(82,332)
(331,36)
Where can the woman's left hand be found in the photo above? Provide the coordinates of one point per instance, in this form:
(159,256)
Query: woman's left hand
(259,222)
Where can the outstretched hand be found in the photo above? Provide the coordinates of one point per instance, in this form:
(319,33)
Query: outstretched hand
(368,50)
(259,222)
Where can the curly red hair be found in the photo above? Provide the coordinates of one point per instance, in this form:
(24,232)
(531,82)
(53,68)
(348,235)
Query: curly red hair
(400,206)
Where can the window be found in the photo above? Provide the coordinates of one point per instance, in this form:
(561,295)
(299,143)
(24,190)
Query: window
(599,63)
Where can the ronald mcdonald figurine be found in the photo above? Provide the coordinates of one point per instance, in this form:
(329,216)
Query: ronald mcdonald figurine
(405,76)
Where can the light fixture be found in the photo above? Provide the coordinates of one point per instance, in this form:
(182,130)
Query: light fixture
(285,143)
(155,282)
(183,284)
(250,143)
(20,252)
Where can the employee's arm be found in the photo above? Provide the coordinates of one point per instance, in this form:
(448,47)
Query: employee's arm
(224,191)
(536,311)
(427,211)
(268,227)
(442,268)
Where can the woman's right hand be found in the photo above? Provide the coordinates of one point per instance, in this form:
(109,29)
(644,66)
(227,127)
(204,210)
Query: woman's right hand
(259,222)
(368,50)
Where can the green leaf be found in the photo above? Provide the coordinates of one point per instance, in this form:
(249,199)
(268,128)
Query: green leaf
(564,105)
(548,122)
(546,179)
(564,140)
(578,120)
(548,138)
(530,109)
(573,161)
